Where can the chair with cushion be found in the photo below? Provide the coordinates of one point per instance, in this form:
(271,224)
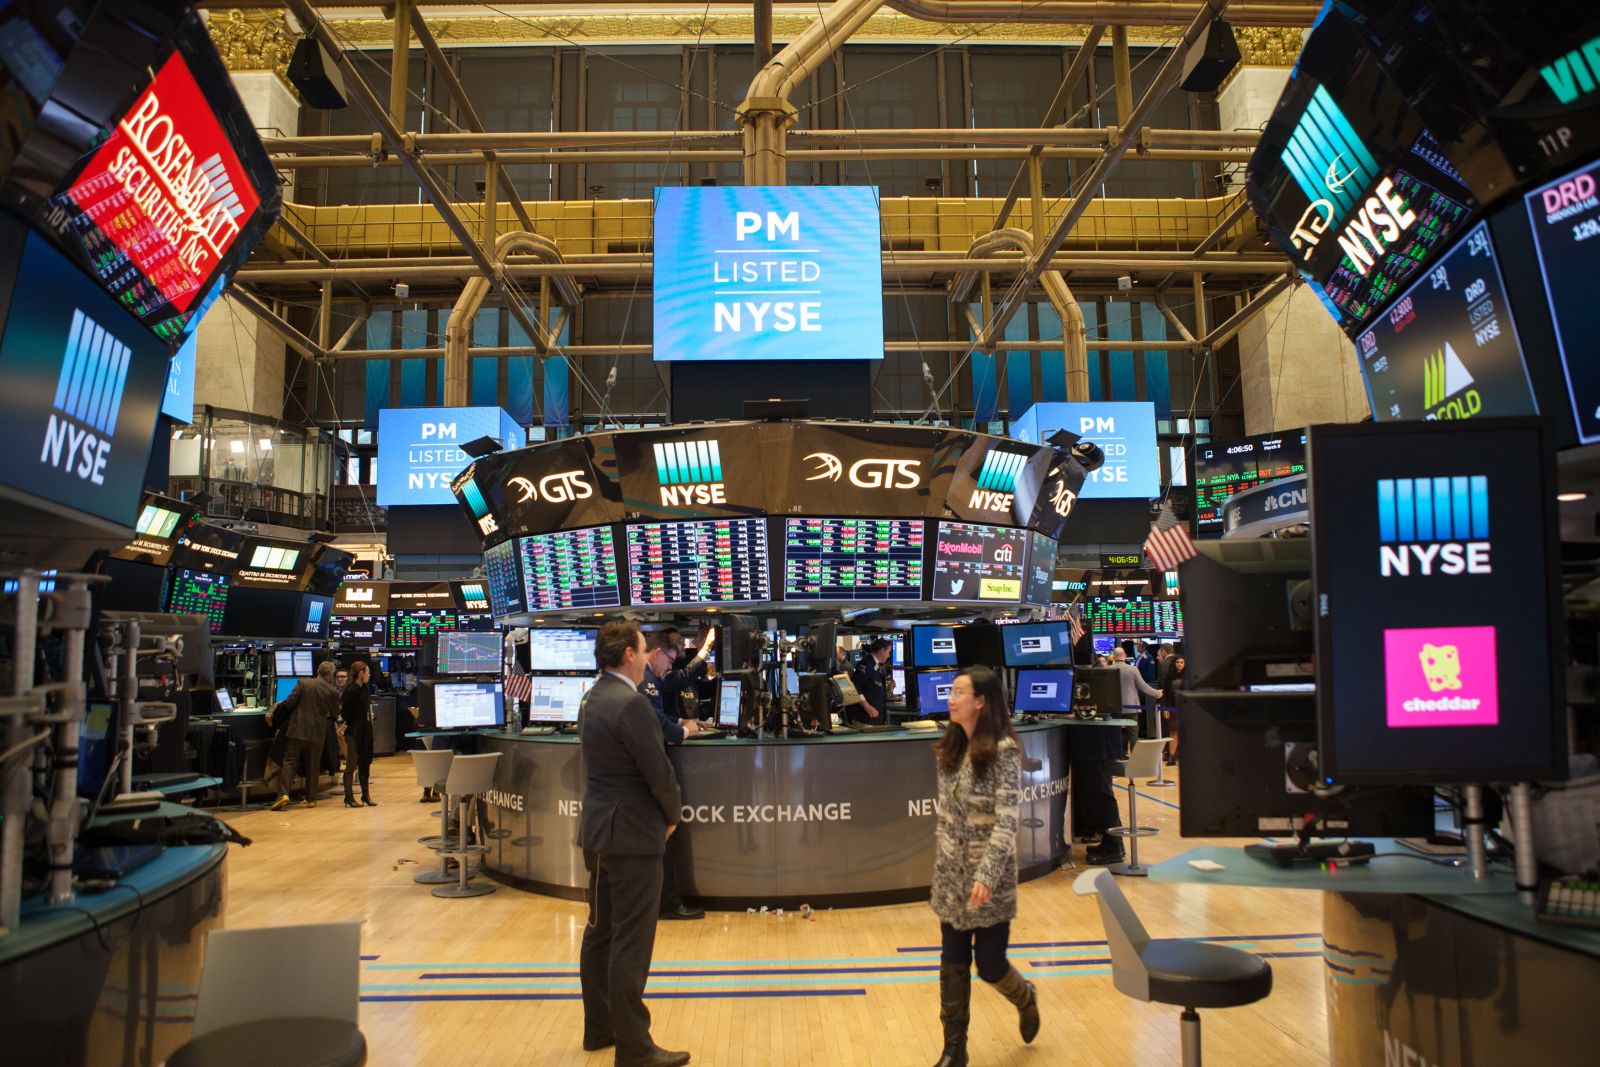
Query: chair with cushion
(433,768)
(1144,762)
(1177,971)
(469,776)
(279,995)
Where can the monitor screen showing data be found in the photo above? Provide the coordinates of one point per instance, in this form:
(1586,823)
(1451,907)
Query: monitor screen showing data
(283,663)
(556,699)
(827,560)
(303,666)
(1168,616)
(561,650)
(707,561)
(467,653)
(359,629)
(1037,644)
(977,563)
(570,569)
(1044,691)
(411,627)
(502,571)
(728,695)
(200,593)
(1121,615)
(1565,216)
(464,705)
(933,646)
(1225,468)
(933,692)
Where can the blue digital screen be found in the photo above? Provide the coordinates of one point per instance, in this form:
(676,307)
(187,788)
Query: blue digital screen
(1037,644)
(933,646)
(178,400)
(933,692)
(419,450)
(284,688)
(1125,432)
(1044,691)
(768,272)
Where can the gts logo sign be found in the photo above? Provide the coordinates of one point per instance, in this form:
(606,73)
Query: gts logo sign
(553,488)
(869,473)
(1062,499)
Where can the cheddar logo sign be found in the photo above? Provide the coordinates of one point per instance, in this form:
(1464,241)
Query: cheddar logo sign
(1441,676)
(1433,526)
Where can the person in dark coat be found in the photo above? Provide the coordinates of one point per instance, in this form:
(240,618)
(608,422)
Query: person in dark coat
(355,716)
(310,707)
(871,679)
(631,806)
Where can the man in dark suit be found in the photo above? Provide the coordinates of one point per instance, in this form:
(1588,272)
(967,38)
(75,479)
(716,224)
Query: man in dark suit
(630,808)
(310,708)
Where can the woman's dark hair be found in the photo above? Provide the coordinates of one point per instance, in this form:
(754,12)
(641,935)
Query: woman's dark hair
(994,726)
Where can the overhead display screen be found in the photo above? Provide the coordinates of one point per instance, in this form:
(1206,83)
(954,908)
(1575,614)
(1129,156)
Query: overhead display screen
(503,572)
(359,629)
(561,650)
(711,561)
(1225,468)
(1168,616)
(975,563)
(1125,432)
(570,569)
(769,272)
(1436,590)
(411,627)
(1121,615)
(200,593)
(1447,348)
(1565,217)
(1040,588)
(852,559)
(419,450)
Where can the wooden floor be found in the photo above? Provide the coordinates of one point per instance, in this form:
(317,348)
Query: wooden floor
(444,981)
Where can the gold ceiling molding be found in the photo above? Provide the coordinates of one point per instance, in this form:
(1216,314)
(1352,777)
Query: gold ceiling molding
(1268,46)
(252,40)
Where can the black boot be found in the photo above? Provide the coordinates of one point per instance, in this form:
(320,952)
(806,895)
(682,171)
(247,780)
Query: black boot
(1020,992)
(955,1002)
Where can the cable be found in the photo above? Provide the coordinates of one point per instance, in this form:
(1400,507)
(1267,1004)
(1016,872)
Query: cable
(15,750)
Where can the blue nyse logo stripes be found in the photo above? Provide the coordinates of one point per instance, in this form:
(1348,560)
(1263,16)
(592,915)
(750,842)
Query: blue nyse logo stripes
(475,500)
(1326,157)
(1433,509)
(94,371)
(999,472)
(688,462)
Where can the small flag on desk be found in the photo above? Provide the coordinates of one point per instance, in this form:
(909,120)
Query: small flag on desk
(1168,544)
(519,686)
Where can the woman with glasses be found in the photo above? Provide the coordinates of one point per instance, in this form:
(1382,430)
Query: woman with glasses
(975,864)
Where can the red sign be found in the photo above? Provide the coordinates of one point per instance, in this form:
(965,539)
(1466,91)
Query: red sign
(167,189)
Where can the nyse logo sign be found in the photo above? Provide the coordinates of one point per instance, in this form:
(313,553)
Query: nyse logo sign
(94,371)
(868,473)
(690,472)
(480,507)
(1431,526)
(997,481)
(1331,166)
(553,488)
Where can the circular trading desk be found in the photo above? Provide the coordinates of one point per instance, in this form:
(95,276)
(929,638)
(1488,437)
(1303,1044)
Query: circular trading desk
(844,819)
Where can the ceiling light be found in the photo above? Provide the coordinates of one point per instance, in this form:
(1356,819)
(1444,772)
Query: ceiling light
(265,444)
(236,445)
(1569,498)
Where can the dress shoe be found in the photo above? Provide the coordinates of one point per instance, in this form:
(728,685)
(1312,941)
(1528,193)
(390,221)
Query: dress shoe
(311,803)
(1096,858)
(369,802)
(595,1044)
(683,911)
(280,803)
(657,1058)
(350,803)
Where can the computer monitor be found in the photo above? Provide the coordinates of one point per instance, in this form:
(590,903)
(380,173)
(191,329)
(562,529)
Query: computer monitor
(897,657)
(933,646)
(1037,644)
(899,676)
(283,663)
(469,653)
(285,686)
(562,650)
(303,667)
(740,633)
(980,644)
(1097,691)
(1248,605)
(555,698)
(1104,645)
(1046,691)
(224,700)
(816,696)
(933,692)
(791,681)
(469,705)
(730,693)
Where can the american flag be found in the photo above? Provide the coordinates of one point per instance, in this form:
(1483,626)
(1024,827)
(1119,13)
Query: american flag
(1075,622)
(519,686)
(1168,544)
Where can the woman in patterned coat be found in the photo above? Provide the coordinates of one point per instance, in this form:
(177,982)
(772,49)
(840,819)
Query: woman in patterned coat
(975,864)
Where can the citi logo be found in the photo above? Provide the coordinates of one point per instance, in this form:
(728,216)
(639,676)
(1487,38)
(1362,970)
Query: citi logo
(94,370)
(690,472)
(997,480)
(1433,526)
(868,473)
(1327,159)
(1444,376)
(553,488)
(1003,554)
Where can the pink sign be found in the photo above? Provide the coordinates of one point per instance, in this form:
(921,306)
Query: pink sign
(1441,676)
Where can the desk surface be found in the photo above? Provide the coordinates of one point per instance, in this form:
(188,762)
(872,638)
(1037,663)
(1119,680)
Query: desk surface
(838,738)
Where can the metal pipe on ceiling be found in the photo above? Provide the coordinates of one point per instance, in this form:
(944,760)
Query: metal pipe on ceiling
(577,157)
(603,350)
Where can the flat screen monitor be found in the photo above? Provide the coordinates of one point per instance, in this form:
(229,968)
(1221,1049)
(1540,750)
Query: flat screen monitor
(933,692)
(833,560)
(1119,615)
(199,593)
(315,617)
(476,622)
(133,586)
(1040,587)
(704,562)
(979,643)
(730,692)
(1044,691)
(569,569)
(283,663)
(555,699)
(363,630)
(1037,644)
(302,663)
(562,650)
(224,700)
(468,653)
(1168,617)
(1225,468)
(1565,217)
(1251,602)
(897,654)
(411,627)
(503,572)
(933,646)
(1104,645)
(898,676)
(974,563)
(285,685)
(468,705)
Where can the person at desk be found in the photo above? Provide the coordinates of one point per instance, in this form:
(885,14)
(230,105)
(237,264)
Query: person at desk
(659,664)
(310,707)
(631,805)
(870,676)
(684,672)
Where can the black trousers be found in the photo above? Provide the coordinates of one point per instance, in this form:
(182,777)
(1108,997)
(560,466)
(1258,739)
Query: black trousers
(358,740)
(987,944)
(1094,805)
(624,899)
(305,758)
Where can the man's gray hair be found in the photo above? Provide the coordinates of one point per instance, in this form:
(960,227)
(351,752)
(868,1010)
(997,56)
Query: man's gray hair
(325,670)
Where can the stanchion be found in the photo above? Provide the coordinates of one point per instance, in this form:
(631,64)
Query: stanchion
(1161,778)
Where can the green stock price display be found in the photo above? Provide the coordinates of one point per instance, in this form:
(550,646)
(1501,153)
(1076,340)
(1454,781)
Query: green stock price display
(1119,615)
(200,593)
(707,561)
(570,569)
(852,559)
(409,627)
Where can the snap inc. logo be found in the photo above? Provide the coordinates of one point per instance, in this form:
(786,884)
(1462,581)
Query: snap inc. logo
(868,473)
(997,480)
(1433,526)
(94,370)
(690,472)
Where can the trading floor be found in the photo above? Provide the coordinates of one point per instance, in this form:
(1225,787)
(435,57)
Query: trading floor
(494,980)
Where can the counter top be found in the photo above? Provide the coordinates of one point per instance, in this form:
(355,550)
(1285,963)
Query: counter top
(837,738)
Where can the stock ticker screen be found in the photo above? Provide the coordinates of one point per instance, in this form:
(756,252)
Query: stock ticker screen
(1225,468)
(1168,616)
(359,629)
(411,627)
(200,593)
(1111,616)
(570,569)
(707,561)
(1565,216)
(973,562)
(500,570)
(852,559)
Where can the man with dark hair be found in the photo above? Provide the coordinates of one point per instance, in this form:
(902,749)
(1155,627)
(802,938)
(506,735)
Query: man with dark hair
(682,671)
(659,665)
(310,707)
(631,805)
(871,679)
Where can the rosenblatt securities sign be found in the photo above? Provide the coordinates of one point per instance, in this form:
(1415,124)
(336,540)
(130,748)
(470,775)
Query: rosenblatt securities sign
(167,189)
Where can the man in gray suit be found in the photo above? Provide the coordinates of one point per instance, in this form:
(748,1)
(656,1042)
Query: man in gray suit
(630,808)
(310,707)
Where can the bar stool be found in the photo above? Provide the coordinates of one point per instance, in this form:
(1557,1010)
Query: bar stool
(433,767)
(469,776)
(1142,763)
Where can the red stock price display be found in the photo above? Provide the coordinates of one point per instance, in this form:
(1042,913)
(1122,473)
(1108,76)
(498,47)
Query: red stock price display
(852,559)
(707,561)
(200,593)
(1118,615)
(409,627)
(570,569)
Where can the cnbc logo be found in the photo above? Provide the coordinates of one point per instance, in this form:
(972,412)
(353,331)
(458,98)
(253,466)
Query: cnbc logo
(690,472)
(94,369)
(1430,526)
(1447,391)
(479,506)
(997,480)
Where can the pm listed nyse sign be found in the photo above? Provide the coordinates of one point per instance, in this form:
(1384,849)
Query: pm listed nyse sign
(768,273)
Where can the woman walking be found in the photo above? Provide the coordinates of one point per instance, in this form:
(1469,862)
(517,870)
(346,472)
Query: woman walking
(975,864)
(355,712)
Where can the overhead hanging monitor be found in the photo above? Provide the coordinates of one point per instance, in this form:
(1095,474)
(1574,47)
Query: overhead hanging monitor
(360,630)
(1041,570)
(199,593)
(973,563)
(569,569)
(703,562)
(469,653)
(830,560)
(555,700)
(562,650)
(1565,217)
(503,572)
(1117,616)
(410,627)
(1046,692)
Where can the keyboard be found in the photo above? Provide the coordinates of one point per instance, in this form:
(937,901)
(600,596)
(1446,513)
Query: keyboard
(705,735)
(1569,901)
(869,728)
(538,731)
